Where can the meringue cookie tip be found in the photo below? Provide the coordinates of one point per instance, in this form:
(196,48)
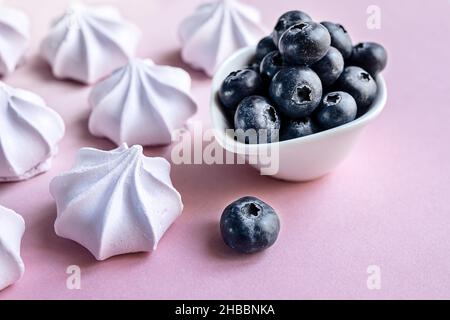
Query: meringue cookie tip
(217,29)
(87,42)
(115,202)
(141,103)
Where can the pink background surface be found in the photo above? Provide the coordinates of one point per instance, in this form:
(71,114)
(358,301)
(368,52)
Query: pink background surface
(387,205)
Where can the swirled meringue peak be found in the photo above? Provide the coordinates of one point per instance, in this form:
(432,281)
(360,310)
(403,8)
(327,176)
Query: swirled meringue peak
(12,227)
(14,36)
(141,103)
(216,30)
(29,134)
(87,43)
(115,202)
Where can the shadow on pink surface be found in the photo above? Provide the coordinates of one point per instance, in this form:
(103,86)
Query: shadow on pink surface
(41,69)
(56,247)
(80,130)
(172,58)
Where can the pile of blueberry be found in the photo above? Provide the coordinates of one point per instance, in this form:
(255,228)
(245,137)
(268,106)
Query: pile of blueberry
(307,77)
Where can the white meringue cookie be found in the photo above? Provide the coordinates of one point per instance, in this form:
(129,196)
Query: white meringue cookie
(141,103)
(29,134)
(216,30)
(87,43)
(115,202)
(12,227)
(14,36)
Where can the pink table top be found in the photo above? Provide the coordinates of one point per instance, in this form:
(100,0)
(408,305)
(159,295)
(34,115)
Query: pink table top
(387,205)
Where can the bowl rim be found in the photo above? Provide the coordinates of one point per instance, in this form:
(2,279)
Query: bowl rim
(226,141)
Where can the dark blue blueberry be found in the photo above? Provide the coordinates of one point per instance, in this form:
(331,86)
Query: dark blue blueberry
(304,43)
(296,91)
(340,39)
(270,65)
(286,21)
(265,45)
(336,109)
(253,66)
(330,67)
(256,113)
(292,128)
(360,85)
(370,56)
(238,85)
(249,225)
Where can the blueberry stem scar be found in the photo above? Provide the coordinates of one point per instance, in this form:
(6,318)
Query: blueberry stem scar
(303,94)
(333,98)
(365,76)
(251,209)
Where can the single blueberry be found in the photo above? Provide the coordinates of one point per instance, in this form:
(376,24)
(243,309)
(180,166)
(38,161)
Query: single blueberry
(304,43)
(265,45)
(286,21)
(296,91)
(270,65)
(360,85)
(238,85)
(254,66)
(330,67)
(370,56)
(249,225)
(340,39)
(292,128)
(336,109)
(258,120)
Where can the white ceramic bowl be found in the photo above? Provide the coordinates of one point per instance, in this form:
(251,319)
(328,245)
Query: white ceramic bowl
(300,159)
